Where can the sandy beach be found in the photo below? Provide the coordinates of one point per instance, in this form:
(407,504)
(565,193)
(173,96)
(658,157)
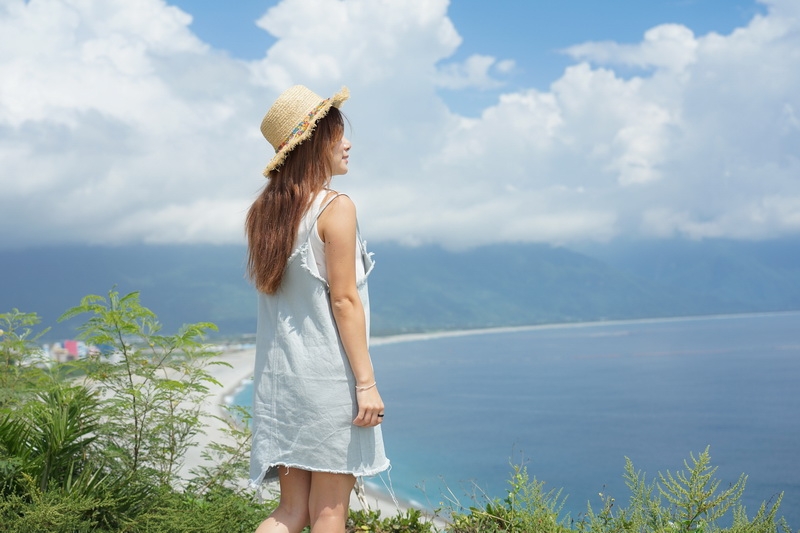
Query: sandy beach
(231,378)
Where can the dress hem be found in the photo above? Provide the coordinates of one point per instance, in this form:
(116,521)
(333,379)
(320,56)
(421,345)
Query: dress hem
(255,484)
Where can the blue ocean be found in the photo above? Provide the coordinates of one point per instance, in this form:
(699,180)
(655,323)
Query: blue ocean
(571,402)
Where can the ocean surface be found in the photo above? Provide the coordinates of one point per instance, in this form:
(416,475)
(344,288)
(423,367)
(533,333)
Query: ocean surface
(571,402)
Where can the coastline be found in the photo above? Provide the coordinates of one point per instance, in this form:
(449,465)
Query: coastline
(424,336)
(230,378)
(377,495)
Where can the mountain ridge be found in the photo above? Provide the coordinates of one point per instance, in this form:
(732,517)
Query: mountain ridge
(424,288)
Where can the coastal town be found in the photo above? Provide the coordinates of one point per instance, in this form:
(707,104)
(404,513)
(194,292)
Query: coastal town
(67,350)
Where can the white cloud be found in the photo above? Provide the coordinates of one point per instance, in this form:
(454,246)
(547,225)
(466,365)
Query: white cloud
(761,218)
(328,42)
(118,124)
(473,72)
(669,46)
(110,110)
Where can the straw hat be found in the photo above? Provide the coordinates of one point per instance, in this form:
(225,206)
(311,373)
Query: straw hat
(292,119)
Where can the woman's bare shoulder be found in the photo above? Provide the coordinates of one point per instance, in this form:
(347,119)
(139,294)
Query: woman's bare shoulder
(340,202)
(338,216)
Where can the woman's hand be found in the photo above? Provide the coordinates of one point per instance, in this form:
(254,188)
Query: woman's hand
(370,408)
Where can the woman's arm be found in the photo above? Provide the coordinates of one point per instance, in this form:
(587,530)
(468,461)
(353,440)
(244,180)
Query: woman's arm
(337,228)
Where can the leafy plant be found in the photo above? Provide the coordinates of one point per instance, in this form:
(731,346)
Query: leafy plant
(688,501)
(765,520)
(48,458)
(51,437)
(411,521)
(52,511)
(527,507)
(100,450)
(153,386)
(694,504)
(694,494)
(219,509)
(19,351)
(230,457)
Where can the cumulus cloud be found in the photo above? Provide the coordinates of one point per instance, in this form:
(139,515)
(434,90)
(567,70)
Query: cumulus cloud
(475,71)
(111,111)
(669,46)
(117,124)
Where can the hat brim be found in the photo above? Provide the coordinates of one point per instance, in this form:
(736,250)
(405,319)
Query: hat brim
(280,156)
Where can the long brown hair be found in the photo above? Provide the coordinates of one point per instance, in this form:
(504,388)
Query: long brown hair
(272,221)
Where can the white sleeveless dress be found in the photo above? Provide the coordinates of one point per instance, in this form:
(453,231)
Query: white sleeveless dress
(304,391)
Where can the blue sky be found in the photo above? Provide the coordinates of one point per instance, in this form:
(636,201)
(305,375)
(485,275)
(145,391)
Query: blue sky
(532,32)
(473,122)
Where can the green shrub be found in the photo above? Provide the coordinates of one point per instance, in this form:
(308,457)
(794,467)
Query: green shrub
(100,450)
(48,460)
(153,385)
(410,521)
(19,350)
(50,439)
(54,511)
(219,509)
(689,501)
(169,511)
(527,507)
(694,503)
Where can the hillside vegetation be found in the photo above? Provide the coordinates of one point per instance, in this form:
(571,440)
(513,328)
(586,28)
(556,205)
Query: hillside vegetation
(96,445)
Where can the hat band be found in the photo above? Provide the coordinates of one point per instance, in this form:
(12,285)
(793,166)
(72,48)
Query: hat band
(303,126)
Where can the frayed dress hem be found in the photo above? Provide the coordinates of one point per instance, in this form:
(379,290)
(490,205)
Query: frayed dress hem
(255,484)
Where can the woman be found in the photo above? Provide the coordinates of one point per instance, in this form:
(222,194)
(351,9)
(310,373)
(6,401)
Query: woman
(317,409)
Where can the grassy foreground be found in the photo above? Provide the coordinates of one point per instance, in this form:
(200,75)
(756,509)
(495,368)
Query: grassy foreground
(97,445)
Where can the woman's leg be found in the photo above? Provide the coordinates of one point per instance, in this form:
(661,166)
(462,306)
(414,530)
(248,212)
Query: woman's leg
(328,501)
(291,515)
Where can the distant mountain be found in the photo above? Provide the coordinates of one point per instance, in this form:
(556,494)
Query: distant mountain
(181,284)
(425,288)
(429,288)
(740,276)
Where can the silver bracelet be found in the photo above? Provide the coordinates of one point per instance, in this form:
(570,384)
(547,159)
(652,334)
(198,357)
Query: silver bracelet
(361,389)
